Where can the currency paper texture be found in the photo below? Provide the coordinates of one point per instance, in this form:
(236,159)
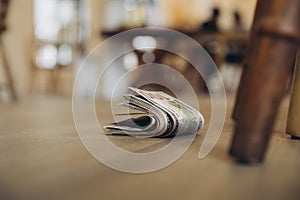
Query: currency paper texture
(160,115)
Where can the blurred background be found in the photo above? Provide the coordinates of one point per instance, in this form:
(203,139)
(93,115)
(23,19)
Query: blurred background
(44,41)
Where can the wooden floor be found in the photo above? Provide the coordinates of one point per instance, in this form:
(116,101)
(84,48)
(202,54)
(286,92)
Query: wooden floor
(41,157)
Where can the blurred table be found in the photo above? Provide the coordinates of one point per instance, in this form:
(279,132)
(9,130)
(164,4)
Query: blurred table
(222,47)
(222,39)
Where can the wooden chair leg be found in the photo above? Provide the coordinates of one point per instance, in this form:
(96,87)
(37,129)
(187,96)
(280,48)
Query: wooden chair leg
(241,92)
(268,74)
(293,123)
(7,71)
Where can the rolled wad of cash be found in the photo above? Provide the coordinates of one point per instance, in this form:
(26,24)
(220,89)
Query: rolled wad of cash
(161,115)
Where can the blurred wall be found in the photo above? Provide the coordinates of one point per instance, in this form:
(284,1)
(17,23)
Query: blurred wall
(189,14)
(96,9)
(19,37)
(185,14)
(246,9)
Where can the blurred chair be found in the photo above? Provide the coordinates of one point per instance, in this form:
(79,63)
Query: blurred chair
(271,55)
(58,37)
(175,61)
(49,61)
(235,49)
(4,4)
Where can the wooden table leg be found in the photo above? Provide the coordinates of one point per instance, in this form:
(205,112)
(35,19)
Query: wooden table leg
(268,74)
(293,122)
(261,7)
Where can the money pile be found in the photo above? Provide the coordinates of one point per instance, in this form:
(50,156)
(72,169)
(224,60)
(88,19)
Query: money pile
(161,115)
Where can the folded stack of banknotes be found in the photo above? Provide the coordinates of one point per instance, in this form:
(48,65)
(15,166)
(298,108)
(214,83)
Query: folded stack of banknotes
(159,115)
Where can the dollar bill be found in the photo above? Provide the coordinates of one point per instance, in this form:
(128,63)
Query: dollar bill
(161,116)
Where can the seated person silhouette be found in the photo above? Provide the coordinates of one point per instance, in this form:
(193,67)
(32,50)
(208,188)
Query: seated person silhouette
(211,24)
(238,25)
